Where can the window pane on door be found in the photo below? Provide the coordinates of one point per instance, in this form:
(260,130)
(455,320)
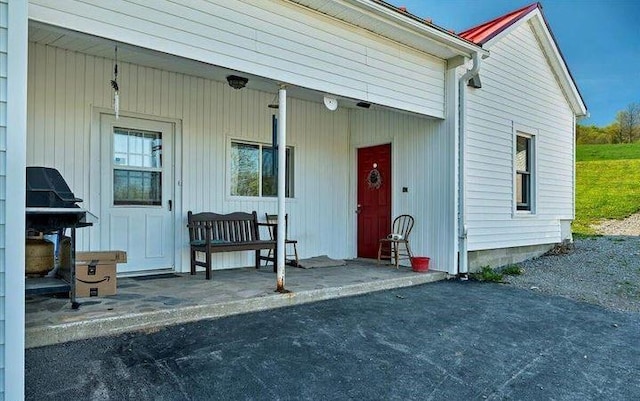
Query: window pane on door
(135,148)
(137,167)
(133,187)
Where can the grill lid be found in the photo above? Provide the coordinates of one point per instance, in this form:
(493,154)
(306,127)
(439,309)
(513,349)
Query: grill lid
(47,188)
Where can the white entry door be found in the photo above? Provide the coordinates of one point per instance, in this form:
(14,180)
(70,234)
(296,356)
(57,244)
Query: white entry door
(137,192)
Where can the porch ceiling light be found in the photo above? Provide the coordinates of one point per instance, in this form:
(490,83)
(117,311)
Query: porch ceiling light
(237,82)
(330,102)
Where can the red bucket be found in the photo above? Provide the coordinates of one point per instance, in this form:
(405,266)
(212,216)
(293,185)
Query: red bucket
(420,263)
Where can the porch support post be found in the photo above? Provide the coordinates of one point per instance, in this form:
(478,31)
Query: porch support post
(282,154)
(13,151)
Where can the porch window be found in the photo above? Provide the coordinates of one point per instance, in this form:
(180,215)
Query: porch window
(254,170)
(137,167)
(524,172)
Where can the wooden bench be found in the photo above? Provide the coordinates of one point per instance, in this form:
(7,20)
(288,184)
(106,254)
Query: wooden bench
(211,232)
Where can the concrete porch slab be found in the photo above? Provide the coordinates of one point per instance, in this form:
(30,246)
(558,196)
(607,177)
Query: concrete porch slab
(148,303)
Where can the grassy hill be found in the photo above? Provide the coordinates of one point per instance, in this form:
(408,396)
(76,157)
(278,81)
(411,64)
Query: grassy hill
(607,183)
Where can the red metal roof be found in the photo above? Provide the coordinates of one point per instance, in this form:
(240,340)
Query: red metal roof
(484,32)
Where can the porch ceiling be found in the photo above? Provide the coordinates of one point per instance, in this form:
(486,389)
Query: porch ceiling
(100,47)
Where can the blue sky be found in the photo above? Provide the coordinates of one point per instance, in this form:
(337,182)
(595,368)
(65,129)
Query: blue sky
(600,41)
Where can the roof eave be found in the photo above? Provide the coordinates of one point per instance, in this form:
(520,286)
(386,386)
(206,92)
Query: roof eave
(401,23)
(558,63)
(463,46)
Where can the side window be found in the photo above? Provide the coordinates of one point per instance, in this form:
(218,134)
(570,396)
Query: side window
(524,172)
(254,170)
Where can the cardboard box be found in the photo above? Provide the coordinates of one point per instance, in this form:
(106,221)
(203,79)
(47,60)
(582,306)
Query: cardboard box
(102,256)
(95,272)
(95,278)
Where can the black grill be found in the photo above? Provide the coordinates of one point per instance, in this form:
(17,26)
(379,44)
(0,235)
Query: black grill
(51,206)
(47,188)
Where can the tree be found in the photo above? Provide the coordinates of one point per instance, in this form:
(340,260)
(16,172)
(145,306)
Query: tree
(628,121)
(591,134)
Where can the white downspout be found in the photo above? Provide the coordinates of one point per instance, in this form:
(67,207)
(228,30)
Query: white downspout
(463,262)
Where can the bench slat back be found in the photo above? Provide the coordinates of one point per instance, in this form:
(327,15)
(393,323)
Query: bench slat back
(232,227)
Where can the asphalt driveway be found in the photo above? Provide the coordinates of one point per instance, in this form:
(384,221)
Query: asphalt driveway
(441,341)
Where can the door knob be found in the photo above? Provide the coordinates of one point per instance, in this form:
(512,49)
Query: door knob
(359,208)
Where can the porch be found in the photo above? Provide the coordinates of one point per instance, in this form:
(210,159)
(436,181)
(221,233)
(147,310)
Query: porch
(203,123)
(152,302)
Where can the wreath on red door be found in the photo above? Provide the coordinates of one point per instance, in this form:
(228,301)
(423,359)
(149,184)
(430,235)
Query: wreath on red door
(374,179)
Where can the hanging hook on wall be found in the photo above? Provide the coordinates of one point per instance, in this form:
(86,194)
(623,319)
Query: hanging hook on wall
(114,85)
(274,103)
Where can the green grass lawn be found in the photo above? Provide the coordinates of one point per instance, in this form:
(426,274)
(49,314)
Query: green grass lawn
(607,184)
(622,151)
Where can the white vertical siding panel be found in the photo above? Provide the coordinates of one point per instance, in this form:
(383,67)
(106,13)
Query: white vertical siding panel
(50,107)
(148,91)
(276,39)
(126,84)
(68,148)
(207,133)
(38,85)
(191,119)
(78,123)
(31,93)
(57,138)
(518,87)
(87,79)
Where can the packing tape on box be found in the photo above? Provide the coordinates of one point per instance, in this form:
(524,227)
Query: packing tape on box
(106,278)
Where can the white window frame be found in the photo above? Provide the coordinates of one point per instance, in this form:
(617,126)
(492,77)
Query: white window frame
(261,145)
(142,169)
(532,135)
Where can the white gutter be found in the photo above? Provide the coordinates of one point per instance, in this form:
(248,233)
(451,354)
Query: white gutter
(463,262)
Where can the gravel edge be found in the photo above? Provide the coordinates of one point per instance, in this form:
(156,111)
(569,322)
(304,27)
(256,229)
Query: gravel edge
(601,270)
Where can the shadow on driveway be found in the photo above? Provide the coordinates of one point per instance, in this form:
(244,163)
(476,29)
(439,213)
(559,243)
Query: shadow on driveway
(441,341)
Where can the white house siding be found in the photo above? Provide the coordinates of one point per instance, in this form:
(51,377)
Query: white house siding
(65,87)
(422,160)
(518,87)
(274,39)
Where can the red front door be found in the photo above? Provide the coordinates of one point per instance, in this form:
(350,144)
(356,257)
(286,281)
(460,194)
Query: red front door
(374,198)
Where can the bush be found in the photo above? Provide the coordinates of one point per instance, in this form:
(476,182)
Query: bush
(487,274)
(512,270)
